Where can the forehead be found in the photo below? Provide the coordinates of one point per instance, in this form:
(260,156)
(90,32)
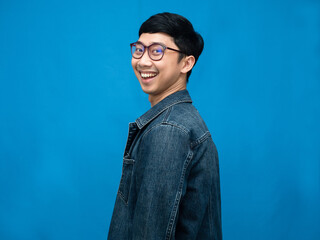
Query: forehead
(149,38)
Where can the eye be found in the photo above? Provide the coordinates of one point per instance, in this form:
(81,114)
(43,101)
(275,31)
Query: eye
(157,50)
(139,49)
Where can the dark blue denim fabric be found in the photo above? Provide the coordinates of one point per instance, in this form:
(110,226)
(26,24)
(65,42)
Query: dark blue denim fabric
(170,187)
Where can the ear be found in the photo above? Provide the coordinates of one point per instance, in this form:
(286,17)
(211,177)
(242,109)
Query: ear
(188,63)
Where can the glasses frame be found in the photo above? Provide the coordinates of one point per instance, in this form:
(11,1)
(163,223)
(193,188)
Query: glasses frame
(148,47)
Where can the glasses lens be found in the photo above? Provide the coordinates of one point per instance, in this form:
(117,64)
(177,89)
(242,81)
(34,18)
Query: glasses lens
(156,51)
(137,50)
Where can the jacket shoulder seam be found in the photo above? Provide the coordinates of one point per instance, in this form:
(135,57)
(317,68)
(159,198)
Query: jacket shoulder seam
(201,139)
(164,123)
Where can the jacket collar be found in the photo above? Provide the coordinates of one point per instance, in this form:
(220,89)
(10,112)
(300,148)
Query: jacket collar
(175,98)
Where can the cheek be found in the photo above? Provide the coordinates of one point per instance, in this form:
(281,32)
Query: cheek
(169,65)
(170,69)
(133,63)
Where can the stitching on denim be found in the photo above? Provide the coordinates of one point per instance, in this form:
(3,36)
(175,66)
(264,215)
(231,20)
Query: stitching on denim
(174,210)
(201,139)
(162,124)
(167,114)
(173,124)
(121,195)
(123,198)
(141,125)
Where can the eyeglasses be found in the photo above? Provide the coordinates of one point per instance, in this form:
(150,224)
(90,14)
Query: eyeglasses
(155,50)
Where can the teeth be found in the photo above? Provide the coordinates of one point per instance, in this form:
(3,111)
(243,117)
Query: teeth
(147,75)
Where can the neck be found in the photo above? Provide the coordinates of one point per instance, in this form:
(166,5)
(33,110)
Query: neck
(154,99)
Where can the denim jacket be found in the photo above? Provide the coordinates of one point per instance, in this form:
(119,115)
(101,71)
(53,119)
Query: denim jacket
(170,187)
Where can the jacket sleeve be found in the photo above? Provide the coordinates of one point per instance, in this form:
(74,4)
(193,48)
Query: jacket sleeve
(200,206)
(163,159)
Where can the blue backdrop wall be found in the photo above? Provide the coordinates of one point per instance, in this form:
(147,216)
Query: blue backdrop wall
(67,93)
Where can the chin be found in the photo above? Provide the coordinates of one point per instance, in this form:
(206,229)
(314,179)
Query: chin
(147,91)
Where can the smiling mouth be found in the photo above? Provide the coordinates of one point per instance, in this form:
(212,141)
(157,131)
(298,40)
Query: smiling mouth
(148,75)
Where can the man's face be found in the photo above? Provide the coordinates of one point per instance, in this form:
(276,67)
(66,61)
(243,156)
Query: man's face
(161,78)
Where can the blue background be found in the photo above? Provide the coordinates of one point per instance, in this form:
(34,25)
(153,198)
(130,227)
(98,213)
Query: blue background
(67,93)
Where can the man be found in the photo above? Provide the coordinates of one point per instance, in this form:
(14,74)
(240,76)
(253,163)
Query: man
(170,186)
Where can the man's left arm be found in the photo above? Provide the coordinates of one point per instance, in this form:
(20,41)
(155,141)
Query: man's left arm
(161,167)
(200,206)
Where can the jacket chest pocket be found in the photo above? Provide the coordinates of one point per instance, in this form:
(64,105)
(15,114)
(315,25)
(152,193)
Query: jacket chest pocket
(126,179)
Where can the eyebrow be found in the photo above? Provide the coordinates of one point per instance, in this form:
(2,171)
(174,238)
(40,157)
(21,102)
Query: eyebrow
(151,43)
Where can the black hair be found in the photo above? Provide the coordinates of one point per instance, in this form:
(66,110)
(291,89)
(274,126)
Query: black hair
(180,29)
